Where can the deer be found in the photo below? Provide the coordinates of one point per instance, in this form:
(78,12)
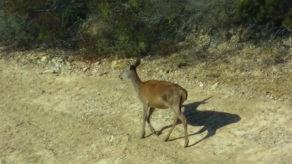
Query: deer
(157,94)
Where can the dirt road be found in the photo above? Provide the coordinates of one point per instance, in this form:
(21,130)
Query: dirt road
(75,117)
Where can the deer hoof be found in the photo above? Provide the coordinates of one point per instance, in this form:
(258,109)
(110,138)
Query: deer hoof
(186,144)
(156,133)
(166,139)
(142,136)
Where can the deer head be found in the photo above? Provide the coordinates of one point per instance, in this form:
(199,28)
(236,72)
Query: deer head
(130,70)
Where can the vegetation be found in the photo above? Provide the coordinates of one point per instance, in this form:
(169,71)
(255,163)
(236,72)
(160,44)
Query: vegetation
(128,27)
(276,12)
(38,22)
(137,26)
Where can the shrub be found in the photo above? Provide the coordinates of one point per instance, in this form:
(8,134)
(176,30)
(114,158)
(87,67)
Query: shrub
(42,21)
(136,26)
(265,11)
(287,22)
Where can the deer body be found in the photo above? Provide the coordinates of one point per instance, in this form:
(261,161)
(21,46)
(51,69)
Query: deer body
(158,94)
(163,90)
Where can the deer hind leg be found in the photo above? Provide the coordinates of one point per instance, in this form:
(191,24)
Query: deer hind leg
(172,127)
(151,110)
(184,122)
(176,107)
(145,110)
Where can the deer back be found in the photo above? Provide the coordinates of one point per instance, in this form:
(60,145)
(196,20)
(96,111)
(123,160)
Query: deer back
(161,94)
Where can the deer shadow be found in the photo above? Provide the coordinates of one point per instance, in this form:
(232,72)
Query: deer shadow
(210,120)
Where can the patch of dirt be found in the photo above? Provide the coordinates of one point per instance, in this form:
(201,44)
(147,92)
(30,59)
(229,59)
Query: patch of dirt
(76,112)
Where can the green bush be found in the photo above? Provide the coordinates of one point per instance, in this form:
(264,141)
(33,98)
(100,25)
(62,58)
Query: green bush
(287,22)
(9,25)
(130,27)
(24,6)
(42,21)
(264,11)
(135,26)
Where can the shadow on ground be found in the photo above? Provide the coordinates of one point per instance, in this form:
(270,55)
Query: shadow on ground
(210,120)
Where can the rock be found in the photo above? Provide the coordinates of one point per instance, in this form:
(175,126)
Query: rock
(103,73)
(97,63)
(214,86)
(44,58)
(47,71)
(111,138)
(85,69)
(201,84)
(71,58)
(51,71)
(68,64)
(114,64)
(117,65)
(105,161)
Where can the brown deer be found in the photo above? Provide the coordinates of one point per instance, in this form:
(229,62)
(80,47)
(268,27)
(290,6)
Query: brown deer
(158,94)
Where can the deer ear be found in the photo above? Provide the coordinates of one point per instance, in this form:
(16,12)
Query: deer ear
(138,62)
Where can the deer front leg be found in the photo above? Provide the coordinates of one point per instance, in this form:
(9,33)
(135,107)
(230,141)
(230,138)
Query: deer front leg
(145,109)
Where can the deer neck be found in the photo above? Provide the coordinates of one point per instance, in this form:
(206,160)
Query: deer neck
(136,81)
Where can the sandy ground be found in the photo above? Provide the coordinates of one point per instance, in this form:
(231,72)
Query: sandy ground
(76,117)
